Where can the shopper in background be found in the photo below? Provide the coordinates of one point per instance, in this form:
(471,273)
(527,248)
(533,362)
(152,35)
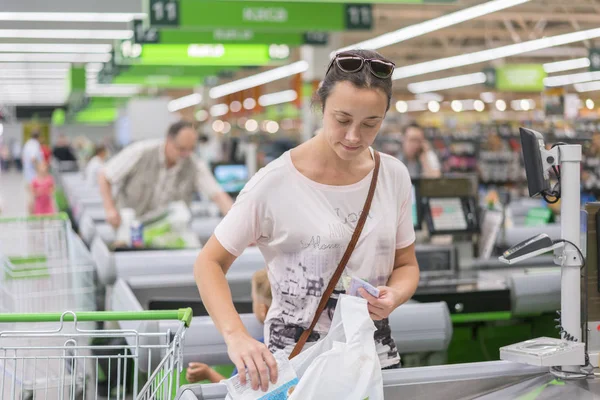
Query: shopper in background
(150,174)
(42,188)
(63,151)
(261,301)
(94,166)
(32,154)
(417,155)
(46,152)
(301,211)
(16,151)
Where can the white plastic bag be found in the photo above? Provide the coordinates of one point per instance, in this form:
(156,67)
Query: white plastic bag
(344,365)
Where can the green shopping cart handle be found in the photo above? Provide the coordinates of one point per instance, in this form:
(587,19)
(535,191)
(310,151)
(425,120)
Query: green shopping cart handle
(60,216)
(183,314)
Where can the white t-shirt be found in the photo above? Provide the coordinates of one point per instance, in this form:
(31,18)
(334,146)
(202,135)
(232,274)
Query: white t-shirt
(31,151)
(92,170)
(303,228)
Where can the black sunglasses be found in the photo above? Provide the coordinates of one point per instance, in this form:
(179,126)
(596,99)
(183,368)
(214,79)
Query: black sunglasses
(348,62)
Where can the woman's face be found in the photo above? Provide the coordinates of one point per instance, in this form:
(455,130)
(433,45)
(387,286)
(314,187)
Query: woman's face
(352,117)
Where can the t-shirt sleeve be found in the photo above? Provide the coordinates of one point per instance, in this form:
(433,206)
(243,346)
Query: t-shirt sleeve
(121,165)
(205,181)
(405,233)
(246,223)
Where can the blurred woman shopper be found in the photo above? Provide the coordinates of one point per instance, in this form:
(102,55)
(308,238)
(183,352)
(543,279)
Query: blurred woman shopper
(301,211)
(42,188)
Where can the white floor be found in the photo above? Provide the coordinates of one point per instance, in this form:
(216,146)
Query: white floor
(13,199)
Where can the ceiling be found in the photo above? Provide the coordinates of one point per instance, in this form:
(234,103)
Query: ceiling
(27,82)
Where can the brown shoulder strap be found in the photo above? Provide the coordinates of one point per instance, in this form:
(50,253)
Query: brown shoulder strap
(338,272)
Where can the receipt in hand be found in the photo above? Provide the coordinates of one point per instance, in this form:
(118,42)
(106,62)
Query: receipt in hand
(281,390)
(357,283)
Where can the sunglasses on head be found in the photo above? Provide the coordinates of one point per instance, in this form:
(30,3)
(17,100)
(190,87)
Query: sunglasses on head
(348,62)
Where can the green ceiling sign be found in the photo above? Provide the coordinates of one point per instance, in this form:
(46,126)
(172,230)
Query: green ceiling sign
(171,70)
(274,16)
(161,81)
(210,54)
(363,1)
(520,78)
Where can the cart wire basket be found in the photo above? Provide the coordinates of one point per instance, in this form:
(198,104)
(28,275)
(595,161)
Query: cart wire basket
(70,362)
(44,266)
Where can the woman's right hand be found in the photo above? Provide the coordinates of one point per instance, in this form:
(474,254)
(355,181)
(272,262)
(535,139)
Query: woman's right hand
(249,354)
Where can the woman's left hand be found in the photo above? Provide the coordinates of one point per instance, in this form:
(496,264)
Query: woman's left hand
(381,307)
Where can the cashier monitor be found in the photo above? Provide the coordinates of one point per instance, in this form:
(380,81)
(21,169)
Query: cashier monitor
(231,177)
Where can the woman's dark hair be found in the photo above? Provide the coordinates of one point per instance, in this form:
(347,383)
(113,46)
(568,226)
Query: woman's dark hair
(361,79)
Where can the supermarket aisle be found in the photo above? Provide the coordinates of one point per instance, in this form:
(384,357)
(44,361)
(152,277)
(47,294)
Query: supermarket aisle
(12,194)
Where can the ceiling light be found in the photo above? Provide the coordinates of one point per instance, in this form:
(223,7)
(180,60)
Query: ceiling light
(567,65)
(401,106)
(235,106)
(54,57)
(478,105)
(54,48)
(433,106)
(277,98)
(69,16)
(258,79)
(587,87)
(202,115)
(501,105)
(447,83)
(251,125)
(434,24)
(219,110)
(493,54)
(112,90)
(429,97)
(563,80)
(456,105)
(93,34)
(249,103)
(272,127)
(226,127)
(184,102)
(218,126)
(589,103)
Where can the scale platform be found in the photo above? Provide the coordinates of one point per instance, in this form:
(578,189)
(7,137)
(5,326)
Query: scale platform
(545,352)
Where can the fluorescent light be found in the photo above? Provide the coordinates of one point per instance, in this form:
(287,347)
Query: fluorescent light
(456,105)
(589,103)
(218,125)
(522,104)
(249,103)
(219,110)
(54,48)
(501,105)
(433,106)
(69,16)
(435,24)
(563,80)
(487,97)
(94,34)
(277,98)
(258,79)
(251,125)
(447,83)
(493,54)
(479,105)
(429,97)
(41,74)
(587,87)
(54,57)
(411,105)
(112,90)
(401,106)
(567,65)
(184,102)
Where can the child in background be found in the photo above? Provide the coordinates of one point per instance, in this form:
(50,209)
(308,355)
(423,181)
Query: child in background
(42,188)
(261,301)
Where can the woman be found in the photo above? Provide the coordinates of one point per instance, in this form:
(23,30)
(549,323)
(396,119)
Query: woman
(301,210)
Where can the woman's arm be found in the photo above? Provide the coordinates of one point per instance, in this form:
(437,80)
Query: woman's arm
(245,352)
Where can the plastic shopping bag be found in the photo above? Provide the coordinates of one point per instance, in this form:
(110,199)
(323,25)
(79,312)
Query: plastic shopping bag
(344,365)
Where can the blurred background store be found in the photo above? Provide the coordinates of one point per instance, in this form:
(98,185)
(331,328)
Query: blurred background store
(89,78)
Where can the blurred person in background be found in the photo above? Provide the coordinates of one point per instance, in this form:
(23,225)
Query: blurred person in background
(417,155)
(32,155)
(63,151)
(150,174)
(95,165)
(46,152)
(42,188)
(4,157)
(15,149)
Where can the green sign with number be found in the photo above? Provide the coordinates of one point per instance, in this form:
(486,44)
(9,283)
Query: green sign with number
(222,36)
(260,15)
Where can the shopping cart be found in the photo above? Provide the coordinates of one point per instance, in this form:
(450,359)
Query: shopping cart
(68,362)
(44,266)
